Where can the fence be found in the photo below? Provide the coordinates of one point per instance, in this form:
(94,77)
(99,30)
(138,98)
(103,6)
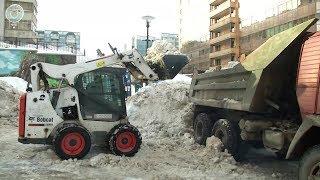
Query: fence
(275,11)
(41,47)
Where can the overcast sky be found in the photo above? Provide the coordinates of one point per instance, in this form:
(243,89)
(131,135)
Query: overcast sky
(117,21)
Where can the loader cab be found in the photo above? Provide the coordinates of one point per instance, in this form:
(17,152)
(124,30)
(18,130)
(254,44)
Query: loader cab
(102,94)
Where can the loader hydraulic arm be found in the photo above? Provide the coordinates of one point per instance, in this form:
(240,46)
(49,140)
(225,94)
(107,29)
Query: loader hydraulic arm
(132,60)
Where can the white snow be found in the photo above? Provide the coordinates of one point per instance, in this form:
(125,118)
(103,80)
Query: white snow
(158,49)
(182,78)
(163,114)
(16,82)
(8,104)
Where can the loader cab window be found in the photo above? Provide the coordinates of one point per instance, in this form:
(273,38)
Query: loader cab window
(102,94)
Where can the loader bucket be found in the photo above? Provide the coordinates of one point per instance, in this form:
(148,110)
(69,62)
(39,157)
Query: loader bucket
(170,67)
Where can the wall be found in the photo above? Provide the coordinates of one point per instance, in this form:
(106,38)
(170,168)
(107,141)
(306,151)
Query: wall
(2,16)
(10,61)
(17,62)
(198,53)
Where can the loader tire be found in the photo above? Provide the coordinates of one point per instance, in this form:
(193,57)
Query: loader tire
(71,141)
(309,167)
(125,140)
(202,128)
(229,134)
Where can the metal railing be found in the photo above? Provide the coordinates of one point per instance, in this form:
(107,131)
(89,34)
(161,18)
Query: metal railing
(40,47)
(275,11)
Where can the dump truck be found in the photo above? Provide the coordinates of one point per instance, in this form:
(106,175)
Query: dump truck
(271,99)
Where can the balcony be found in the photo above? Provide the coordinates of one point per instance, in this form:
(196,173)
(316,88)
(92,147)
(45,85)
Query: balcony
(223,38)
(223,9)
(223,23)
(223,52)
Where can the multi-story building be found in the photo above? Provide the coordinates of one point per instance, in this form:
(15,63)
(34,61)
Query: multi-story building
(171,38)
(140,43)
(191,22)
(24,30)
(59,39)
(2,16)
(290,13)
(224,31)
(198,52)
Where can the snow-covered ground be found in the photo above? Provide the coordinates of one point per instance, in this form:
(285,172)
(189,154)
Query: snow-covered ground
(17,83)
(163,114)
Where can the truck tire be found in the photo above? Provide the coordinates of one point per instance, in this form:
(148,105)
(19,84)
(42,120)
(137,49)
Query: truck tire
(202,128)
(309,166)
(125,139)
(71,141)
(229,134)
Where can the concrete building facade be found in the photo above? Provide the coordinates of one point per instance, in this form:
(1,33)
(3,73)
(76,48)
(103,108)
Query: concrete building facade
(25,30)
(198,52)
(228,40)
(2,12)
(224,31)
(256,34)
(171,38)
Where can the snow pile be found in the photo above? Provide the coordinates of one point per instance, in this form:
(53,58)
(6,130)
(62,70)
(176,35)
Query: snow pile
(8,104)
(162,109)
(158,49)
(230,65)
(182,79)
(17,83)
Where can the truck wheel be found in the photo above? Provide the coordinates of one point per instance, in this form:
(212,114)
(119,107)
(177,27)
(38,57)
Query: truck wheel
(125,140)
(71,141)
(202,128)
(309,167)
(229,135)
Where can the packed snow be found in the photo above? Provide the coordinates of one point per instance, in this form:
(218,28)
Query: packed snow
(16,82)
(163,114)
(158,49)
(8,104)
(230,65)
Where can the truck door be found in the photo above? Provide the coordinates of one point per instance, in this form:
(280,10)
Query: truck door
(308,76)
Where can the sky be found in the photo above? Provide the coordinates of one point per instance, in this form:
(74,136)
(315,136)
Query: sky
(117,21)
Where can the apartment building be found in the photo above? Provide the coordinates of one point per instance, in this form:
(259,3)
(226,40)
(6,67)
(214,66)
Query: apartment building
(25,30)
(224,31)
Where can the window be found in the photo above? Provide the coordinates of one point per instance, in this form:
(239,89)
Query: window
(232,57)
(217,34)
(217,62)
(211,34)
(232,43)
(218,48)
(101,92)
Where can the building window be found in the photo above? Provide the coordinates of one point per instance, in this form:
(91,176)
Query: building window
(217,62)
(211,34)
(218,47)
(211,48)
(232,43)
(232,57)
(217,34)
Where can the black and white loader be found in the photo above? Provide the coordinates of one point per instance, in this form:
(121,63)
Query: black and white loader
(89,108)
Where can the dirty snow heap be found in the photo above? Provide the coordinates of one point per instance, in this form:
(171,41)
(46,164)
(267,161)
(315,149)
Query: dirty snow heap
(8,104)
(158,49)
